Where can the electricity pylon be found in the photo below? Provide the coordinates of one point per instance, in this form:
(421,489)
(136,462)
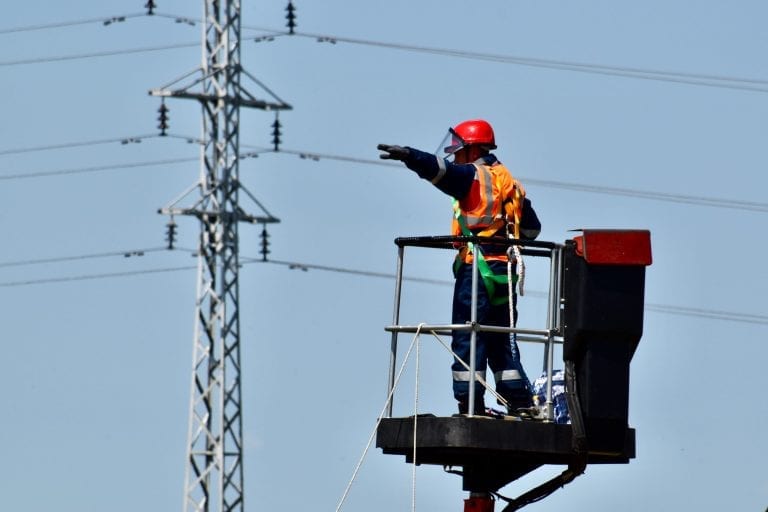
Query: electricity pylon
(214,471)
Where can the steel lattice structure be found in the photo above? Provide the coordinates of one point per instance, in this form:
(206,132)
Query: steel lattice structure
(214,470)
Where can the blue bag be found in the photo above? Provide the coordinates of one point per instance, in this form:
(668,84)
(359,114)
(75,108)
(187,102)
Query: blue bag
(559,401)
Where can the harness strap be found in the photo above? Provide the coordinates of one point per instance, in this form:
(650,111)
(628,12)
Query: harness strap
(486,273)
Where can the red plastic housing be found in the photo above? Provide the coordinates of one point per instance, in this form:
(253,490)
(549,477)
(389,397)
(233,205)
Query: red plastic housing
(478,504)
(615,247)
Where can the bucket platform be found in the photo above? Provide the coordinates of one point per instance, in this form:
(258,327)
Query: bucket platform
(595,310)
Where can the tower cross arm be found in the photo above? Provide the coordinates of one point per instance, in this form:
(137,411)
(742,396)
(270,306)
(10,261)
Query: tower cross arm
(239,216)
(228,99)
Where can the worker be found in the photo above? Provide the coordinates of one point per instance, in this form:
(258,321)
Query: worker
(488,201)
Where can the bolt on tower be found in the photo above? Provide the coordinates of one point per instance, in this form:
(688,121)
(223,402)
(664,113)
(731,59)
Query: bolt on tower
(214,468)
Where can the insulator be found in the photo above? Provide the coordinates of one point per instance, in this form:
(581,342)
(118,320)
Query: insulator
(163,119)
(114,19)
(291,17)
(276,133)
(264,243)
(151,6)
(170,235)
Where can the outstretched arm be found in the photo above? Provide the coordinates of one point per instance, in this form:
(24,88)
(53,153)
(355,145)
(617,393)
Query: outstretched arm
(452,179)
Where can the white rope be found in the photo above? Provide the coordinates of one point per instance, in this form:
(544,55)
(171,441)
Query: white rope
(376,427)
(514,250)
(520,270)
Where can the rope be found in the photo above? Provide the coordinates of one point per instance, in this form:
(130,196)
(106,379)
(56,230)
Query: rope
(514,251)
(510,287)
(376,427)
(520,269)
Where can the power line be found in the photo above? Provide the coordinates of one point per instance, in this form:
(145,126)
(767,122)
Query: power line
(92,55)
(713,202)
(132,139)
(735,204)
(712,314)
(90,277)
(108,53)
(40,261)
(103,20)
(660,308)
(364,273)
(707,80)
(135,139)
(719,81)
(85,277)
(62,24)
(98,168)
(700,79)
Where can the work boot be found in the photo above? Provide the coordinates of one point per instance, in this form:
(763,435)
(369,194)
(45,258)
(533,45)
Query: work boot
(479,407)
(519,406)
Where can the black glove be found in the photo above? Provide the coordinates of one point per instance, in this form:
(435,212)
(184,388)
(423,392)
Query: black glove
(393,152)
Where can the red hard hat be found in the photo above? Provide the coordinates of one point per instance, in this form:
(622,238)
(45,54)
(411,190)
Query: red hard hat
(476,131)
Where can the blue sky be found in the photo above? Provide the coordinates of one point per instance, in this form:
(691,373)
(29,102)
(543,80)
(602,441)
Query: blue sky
(98,345)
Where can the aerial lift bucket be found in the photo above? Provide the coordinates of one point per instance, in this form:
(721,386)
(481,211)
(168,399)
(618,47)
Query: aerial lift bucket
(596,304)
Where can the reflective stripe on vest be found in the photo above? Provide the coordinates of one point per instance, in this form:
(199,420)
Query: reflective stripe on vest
(487,212)
(492,211)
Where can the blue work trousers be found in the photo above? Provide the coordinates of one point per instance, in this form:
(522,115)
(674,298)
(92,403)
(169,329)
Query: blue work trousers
(497,350)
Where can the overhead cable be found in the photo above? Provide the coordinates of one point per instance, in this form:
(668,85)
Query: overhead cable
(712,314)
(103,20)
(735,204)
(708,80)
(107,53)
(40,261)
(133,139)
(96,168)
(700,79)
(90,277)
(715,202)
(365,273)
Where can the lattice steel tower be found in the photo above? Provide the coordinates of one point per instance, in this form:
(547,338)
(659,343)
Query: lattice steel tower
(214,470)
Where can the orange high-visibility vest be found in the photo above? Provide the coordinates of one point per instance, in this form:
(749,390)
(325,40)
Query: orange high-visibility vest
(494,201)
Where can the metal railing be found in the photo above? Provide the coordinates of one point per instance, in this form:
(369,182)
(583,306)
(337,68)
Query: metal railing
(549,335)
